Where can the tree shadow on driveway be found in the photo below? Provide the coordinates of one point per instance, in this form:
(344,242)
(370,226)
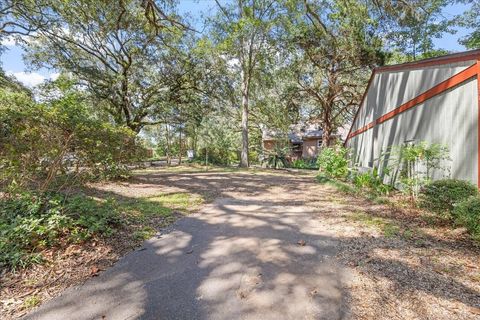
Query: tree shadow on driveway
(236,259)
(261,250)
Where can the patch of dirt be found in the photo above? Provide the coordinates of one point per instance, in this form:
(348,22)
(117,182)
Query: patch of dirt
(63,267)
(416,271)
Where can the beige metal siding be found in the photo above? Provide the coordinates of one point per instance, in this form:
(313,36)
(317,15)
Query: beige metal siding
(449,118)
(389,90)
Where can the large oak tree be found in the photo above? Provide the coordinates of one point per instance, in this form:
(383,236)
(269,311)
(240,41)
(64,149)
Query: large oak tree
(128,53)
(334,45)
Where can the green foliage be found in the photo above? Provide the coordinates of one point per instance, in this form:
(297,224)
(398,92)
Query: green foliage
(304,164)
(144,233)
(125,39)
(60,140)
(417,163)
(215,156)
(244,32)
(412,26)
(471,20)
(32,301)
(467,214)
(217,143)
(372,181)
(333,162)
(441,196)
(30,222)
(277,157)
(11,83)
(334,44)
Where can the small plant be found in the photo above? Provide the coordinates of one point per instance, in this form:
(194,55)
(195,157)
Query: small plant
(31,302)
(362,180)
(372,181)
(333,162)
(467,214)
(304,164)
(277,157)
(144,234)
(441,196)
(416,164)
(30,222)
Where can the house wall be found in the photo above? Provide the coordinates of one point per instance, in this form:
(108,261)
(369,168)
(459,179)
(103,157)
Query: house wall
(389,90)
(310,148)
(268,144)
(449,118)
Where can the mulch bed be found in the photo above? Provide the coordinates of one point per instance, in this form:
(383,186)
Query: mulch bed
(64,267)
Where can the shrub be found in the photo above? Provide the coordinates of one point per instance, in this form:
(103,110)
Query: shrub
(30,222)
(416,164)
(333,162)
(441,196)
(304,164)
(467,214)
(277,157)
(372,181)
(216,156)
(61,140)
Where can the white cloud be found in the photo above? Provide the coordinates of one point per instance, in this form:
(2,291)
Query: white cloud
(28,79)
(54,76)
(32,79)
(8,42)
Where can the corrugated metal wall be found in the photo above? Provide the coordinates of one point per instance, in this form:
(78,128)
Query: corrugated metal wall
(449,118)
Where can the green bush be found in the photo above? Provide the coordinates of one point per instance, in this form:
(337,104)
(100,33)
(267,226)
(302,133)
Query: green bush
(467,214)
(372,181)
(215,156)
(277,157)
(416,163)
(31,222)
(333,162)
(61,140)
(362,180)
(441,196)
(304,164)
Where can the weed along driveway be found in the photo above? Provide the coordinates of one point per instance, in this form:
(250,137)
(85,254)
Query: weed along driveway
(275,245)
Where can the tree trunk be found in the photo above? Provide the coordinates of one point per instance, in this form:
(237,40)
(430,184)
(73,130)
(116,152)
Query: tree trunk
(326,136)
(167,136)
(244,154)
(326,129)
(180,149)
(206,158)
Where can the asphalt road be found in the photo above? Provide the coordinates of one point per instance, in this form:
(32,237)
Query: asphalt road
(252,257)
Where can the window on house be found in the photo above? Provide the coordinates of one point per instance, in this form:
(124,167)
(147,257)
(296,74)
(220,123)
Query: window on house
(319,143)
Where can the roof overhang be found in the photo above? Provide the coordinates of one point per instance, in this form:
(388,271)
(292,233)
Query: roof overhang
(437,61)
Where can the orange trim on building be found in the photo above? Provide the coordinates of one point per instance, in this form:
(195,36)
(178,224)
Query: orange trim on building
(451,58)
(438,61)
(478,123)
(451,82)
(361,103)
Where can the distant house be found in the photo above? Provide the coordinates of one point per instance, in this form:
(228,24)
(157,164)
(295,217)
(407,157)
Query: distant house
(311,143)
(301,143)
